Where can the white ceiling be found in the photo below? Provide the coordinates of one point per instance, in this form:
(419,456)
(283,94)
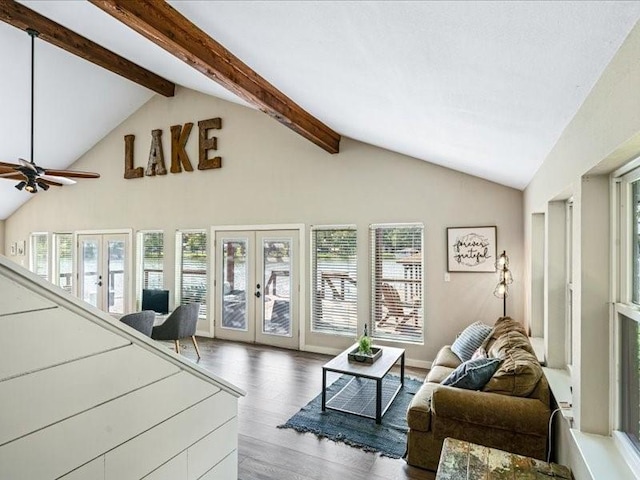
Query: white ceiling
(481,87)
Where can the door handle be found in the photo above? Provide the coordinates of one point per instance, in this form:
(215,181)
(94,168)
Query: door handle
(99,283)
(258,294)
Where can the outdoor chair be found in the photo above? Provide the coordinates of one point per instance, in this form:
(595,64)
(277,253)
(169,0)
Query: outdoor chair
(181,323)
(141,321)
(397,311)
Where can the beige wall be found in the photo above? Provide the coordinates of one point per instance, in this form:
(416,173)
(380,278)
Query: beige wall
(271,175)
(2,250)
(604,134)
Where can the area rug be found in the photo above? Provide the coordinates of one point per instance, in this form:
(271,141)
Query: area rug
(389,438)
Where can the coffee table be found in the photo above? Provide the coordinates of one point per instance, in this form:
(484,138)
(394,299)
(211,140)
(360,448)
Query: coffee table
(358,395)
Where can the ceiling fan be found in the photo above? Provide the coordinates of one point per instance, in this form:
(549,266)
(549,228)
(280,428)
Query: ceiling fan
(30,175)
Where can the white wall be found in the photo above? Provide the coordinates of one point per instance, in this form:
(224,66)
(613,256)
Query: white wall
(604,134)
(2,238)
(270,175)
(73,408)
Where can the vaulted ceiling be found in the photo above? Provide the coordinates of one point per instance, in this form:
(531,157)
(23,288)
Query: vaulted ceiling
(485,88)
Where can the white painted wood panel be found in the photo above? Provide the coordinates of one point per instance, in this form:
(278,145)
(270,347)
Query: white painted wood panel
(16,298)
(37,340)
(144,453)
(212,449)
(227,469)
(174,469)
(34,401)
(58,449)
(93,470)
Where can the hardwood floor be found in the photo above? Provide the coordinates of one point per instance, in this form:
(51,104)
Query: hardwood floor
(278,383)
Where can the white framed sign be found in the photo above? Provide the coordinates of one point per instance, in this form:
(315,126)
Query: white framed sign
(471,249)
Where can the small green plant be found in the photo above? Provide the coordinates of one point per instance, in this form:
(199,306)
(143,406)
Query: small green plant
(364,345)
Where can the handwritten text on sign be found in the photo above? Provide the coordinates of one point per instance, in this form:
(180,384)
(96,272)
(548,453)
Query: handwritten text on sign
(471,250)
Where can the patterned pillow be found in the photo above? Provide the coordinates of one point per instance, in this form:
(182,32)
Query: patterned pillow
(473,374)
(470,340)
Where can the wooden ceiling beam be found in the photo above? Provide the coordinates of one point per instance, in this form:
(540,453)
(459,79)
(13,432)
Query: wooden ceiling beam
(23,18)
(166,27)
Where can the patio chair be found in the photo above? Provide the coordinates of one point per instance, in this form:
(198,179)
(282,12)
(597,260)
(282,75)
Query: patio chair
(181,323)
(141,321)
(396,309)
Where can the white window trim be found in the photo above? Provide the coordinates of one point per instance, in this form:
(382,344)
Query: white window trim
(621,296)
(371,286)
(54,260)
(139,263)
(312,280)
(31,254)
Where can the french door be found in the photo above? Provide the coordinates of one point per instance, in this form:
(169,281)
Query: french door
(257,287)
(103,271)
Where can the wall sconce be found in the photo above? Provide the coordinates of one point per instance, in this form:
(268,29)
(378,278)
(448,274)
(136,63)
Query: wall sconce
(505,279)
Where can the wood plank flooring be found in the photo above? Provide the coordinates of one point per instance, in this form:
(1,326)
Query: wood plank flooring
(278,383)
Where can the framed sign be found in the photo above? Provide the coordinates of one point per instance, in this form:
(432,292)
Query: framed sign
(471,249)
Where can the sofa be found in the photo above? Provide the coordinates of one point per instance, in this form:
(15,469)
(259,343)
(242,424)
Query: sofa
(511,412)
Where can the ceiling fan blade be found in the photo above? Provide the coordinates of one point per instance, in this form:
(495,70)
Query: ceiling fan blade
(13,176)
(27,164)
(54,178)
(71,173)
(10,165)
(9,170)
(50,182)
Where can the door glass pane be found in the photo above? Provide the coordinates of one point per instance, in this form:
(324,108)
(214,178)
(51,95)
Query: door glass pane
(276,306)
(90,253)
(234,294)
(115,276)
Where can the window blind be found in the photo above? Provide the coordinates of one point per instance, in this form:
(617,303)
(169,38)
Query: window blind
(396,282)
(152,261)
(334,303)
(193,269)
(40,254)
(63,258)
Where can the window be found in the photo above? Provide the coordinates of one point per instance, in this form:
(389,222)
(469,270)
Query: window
(192,269)
(568,335)
(630,379)
(396,281)
(40,254)
(63,260)
(627,311)
(151,254)
(334,303)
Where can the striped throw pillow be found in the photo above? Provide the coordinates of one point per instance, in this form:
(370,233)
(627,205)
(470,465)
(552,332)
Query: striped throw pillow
(470,340)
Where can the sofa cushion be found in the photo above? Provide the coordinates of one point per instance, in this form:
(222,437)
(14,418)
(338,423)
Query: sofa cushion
(502,326)
(419,412)
(446,358)
(470,339)
(438,373)
(519,372)
(473,374)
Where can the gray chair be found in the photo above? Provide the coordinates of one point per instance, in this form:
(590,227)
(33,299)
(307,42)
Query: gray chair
(181,323)
(141,321)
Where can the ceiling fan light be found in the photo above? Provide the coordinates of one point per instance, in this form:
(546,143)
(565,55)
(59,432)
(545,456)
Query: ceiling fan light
(31,187)
(43,186)
(21,185)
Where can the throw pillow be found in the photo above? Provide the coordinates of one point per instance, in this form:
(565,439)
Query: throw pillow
(473,374)
(502,326)
(470,339)
(520,371)
(480,353)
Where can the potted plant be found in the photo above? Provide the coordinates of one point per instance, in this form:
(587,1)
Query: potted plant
(365,352)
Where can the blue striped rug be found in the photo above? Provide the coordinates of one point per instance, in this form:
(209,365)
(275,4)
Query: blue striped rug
(389,438)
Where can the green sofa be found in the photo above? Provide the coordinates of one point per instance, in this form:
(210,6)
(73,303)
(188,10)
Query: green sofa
(511,413)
